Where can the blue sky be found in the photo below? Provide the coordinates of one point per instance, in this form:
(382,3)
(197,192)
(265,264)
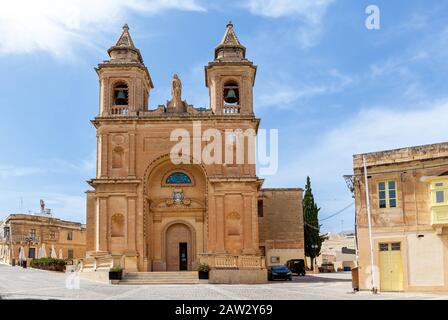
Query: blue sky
(331,86)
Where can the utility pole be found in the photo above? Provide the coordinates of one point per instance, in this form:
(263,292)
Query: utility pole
(372,271)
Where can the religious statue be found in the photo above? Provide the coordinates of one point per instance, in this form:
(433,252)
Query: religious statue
(176,104)
(176,91)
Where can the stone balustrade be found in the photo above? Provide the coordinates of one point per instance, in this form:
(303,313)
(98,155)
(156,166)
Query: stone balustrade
(231,109)
(232,261)
(119,110)
(96,263)
(24,238)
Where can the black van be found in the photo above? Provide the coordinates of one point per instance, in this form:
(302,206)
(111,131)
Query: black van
(296,266)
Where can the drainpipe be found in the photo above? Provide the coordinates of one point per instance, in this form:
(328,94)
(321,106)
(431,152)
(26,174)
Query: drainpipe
(372,271)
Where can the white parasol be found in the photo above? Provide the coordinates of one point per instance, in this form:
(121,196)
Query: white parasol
(61,256)
(22,256)
(43,252)
(53,252)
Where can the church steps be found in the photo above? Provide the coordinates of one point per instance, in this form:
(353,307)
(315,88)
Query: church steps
(160,278)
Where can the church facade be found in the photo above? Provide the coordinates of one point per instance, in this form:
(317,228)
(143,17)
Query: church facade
(158,203)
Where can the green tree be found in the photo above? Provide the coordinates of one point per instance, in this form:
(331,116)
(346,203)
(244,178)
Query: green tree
(313,242)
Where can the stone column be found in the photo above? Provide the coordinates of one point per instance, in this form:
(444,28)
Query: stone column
(103,143)
(247,224)
(131,223)
(102,226)
(132,154)
(220,224)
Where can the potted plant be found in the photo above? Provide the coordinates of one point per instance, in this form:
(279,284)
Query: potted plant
(203,270)
(115,273)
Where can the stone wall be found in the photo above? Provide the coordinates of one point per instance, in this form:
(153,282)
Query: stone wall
(281,227)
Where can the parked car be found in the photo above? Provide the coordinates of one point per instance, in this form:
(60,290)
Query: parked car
(296,266)
(279,272)
(327,267)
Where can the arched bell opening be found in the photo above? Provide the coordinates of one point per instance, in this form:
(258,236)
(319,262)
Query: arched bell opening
(120,99)
(231,97)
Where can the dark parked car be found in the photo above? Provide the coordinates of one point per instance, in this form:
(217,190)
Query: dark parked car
(296,266)
(327,267)
(279,272)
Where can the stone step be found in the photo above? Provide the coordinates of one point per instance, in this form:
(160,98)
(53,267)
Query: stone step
(195,275)
(160,281)
(169,277)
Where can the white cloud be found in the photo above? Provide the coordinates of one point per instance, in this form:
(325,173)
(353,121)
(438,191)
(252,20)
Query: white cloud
(8,171)
(52,166)
(309,12)
(56,26)
(281,95)
(373,129)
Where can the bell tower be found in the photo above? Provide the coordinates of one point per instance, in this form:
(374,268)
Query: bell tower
(230,77)
(124,79)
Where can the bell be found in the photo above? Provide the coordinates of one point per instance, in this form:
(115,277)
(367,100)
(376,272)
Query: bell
(231,96)
(121,95)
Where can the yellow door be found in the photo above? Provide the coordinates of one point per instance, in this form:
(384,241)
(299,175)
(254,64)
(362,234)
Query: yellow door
(391,269)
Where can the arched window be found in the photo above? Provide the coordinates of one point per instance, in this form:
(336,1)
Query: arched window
(177,178)
(117,157)
(117,225)
(121,94)
(231,97)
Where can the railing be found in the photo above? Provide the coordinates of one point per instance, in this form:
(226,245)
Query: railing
(232,262)
(96,263)
(119,110)
(24,238)
(231,109)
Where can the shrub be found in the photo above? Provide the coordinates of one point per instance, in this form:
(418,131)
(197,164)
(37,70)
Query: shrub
(48,264)
(203,267)
(116,269)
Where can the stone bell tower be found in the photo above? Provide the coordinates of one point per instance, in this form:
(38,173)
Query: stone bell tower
(124,79)
(230,77)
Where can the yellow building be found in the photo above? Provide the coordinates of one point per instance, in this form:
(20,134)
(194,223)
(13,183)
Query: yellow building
(36,231)
(150,212)
(408,192)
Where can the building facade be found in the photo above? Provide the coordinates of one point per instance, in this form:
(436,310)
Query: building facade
(339,250)
(36,231)
(148,212)
(280,218)
(408,192)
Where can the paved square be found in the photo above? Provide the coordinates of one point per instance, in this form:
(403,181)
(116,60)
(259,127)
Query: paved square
(19,283)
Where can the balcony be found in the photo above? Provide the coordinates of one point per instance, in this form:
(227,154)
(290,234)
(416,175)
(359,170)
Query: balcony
(18,238)
(439,203)
(439,217)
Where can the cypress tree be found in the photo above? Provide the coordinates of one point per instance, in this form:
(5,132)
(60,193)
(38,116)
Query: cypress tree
(313,241)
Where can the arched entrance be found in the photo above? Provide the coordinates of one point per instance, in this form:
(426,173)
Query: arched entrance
(178,247)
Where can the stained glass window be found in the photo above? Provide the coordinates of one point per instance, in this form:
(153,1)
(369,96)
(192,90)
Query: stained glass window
(177,178)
